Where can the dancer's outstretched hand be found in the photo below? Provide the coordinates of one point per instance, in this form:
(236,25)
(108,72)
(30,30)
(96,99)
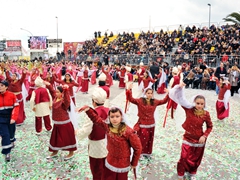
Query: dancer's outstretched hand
(182,84)
(84,108)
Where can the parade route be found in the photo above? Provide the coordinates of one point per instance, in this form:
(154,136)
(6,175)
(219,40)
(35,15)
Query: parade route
(221,158)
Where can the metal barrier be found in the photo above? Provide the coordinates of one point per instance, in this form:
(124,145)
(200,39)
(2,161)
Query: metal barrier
(173,59)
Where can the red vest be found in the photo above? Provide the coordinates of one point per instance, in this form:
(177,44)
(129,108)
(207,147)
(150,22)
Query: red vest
(176,81)
(130,77)
(98,133)
(41,95)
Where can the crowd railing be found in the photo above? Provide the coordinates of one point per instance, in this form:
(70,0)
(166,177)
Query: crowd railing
(173,59)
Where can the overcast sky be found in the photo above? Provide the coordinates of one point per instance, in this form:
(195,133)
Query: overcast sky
(77,20)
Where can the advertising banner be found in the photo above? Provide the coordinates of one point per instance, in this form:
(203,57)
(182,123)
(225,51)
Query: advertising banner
(72,48)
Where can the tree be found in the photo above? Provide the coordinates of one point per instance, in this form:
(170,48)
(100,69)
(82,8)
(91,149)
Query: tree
(233,17)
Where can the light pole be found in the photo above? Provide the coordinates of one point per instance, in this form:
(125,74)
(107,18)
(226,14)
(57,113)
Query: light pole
(27,31)
(57,33)
(209,15)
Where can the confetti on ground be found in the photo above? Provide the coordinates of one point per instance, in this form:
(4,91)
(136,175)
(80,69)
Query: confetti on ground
(221,159)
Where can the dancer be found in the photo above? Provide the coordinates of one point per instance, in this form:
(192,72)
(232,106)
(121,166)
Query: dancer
(62,137)
(222,104)
(173,82)
(85,80)
(121,74)
(194,138)
(146,82)
(106,71)
(120,139)
(70,82)
(9,109)
(35,73)
(162,79)
(102,84)
(97,144)
(140,73)
(145,125)
(15,86)
(41,104)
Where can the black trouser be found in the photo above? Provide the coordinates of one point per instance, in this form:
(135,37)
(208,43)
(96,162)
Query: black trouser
(233,90)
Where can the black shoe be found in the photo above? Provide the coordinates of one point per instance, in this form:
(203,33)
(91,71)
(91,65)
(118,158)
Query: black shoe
(7,157)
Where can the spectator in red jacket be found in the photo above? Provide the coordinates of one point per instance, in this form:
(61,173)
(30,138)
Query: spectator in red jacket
(9,109)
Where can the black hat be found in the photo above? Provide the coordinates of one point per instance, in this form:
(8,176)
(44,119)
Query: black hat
(4,82)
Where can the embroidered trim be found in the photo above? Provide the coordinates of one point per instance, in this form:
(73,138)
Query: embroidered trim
(20,100)
(7,146)
(6,107)
(220,100)
(61,148)
(147,126)
(193,145)
(115,169)
(61,122)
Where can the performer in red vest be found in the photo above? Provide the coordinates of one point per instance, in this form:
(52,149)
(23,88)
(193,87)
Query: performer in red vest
(97,143)
(41,104)
(15,86)
(102,84)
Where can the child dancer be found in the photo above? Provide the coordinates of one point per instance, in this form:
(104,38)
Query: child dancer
(145,125)
(194,138)
(222,104)
(120,139)
(62,137)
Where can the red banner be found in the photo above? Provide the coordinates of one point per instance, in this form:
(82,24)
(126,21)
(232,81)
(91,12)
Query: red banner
(13,43)
(74,47)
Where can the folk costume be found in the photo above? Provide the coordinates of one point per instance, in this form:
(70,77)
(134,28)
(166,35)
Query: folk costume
(192,150)
(222,104)
(118,159)
(145,125)
(97,143)
(41,103)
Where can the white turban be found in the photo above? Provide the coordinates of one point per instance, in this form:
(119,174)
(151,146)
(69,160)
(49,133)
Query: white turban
(128,68)
(39,82)
(175,70)
(102,77)
(99,95)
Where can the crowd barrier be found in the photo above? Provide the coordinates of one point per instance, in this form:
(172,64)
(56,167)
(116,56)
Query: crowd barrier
(172,59)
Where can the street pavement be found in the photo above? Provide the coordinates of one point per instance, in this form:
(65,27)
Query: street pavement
(221,158)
